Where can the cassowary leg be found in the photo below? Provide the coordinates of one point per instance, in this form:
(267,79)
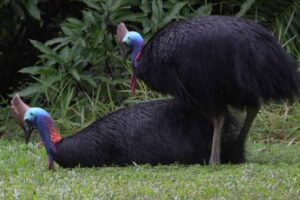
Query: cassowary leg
(250,116)
(215,156)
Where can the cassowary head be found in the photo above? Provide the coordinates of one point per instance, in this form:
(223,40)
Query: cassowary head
(41,120)
(32,119)
(134,42)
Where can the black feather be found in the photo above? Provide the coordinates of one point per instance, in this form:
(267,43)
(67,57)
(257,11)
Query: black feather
(216,61)
(154,132)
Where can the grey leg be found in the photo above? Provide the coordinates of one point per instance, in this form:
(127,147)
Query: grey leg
(215,156)
(250,116)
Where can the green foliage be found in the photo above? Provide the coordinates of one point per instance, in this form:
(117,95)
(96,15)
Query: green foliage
(281,13)
(245,7)
(86,59)
(20,7)
(273,172)
(12,12)
(81,74)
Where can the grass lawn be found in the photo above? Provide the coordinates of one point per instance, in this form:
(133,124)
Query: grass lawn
(272,172)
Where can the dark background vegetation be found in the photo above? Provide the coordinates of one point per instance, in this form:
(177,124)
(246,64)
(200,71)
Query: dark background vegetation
(62,55)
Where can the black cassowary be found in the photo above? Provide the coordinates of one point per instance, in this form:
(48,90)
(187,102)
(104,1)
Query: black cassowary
(155,132)
(214,62)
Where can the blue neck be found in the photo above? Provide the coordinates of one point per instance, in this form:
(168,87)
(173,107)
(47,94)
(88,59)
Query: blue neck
(43,125)
(137,48)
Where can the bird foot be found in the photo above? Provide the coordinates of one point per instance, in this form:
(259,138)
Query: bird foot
(18,109)
(214,162)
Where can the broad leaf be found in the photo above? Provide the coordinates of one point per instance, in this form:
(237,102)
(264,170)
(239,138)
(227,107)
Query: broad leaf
(89,80)
(30,70)
(30,90)
(57,40)
(31,6)
(43,48)
(39,70)
(171,14)
(245,7)
(75,74)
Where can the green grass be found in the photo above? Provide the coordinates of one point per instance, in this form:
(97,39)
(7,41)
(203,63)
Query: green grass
(272,172)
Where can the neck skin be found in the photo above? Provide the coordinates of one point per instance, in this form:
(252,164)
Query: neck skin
(137,49)
(49,136)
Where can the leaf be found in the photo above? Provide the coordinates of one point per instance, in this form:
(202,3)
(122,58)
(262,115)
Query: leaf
(31,6)
(40,46)
(97,38)
(38,70)
(160,9)
(93,4)
(65,54)
(57,40)
(89,80)
(55,57)
(134,17)
(172,13)
(245,7)
(145,6)
(81,42)
(66,30)
(88,17)
(30,70)
(75,74)
(155,12)
(17,9)
(30,90)
(48,52)
(49,81)
(74,21)
(204,10)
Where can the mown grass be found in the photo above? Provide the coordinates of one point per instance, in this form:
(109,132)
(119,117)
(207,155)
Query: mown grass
(272,172)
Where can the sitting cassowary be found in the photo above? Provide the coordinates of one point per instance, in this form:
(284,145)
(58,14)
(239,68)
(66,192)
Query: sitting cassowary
(154,132)
(214,62)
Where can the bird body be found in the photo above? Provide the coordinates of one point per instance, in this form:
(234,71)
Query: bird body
(213,62)
(154,132)
(216,61)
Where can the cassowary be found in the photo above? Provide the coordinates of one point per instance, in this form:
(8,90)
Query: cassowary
(214,62)
(154,132)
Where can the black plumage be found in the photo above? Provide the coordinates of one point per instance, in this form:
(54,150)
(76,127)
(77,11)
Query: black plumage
(218,61)
(155,132)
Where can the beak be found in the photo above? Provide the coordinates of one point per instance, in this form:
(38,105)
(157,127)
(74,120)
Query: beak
(28,128)
(126,52)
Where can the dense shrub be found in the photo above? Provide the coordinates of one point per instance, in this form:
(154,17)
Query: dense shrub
(81,74)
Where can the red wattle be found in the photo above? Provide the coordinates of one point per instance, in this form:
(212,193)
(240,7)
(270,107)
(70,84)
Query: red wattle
(132,84)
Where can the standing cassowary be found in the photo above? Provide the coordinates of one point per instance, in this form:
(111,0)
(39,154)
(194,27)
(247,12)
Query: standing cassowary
(214,62)
(154,132)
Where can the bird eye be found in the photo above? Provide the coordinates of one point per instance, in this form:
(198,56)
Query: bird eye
(31,114)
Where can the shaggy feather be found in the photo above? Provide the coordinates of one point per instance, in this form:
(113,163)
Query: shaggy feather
(154,132)
(216,61)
